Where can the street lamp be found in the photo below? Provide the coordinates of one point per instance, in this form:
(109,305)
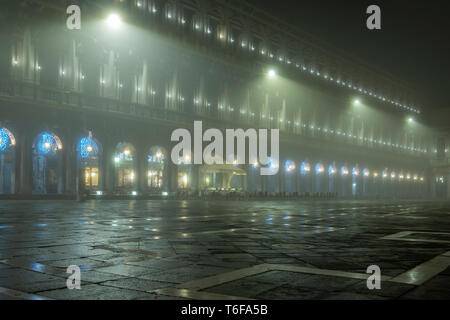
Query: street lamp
(272,73)
(114,21)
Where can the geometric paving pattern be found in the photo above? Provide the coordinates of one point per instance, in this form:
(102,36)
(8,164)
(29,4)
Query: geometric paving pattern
(224,249)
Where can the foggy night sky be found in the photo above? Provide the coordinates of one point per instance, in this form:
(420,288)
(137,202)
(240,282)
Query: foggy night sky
(413,44)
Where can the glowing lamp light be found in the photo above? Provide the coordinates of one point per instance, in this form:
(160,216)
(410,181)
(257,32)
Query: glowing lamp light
(114,21)
(89,149)
(357,102)
(116,159)
(99,193)
(47,145)
(134,193)
(290,167)
(272,74)
(127,152)
(273,165)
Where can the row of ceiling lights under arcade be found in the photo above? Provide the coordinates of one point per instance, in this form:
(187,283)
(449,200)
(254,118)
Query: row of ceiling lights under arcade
(344,171)
(114,22)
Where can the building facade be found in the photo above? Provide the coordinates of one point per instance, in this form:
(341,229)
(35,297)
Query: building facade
(92,110)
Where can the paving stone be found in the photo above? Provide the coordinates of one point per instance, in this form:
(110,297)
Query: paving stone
(126,248)
(137,284)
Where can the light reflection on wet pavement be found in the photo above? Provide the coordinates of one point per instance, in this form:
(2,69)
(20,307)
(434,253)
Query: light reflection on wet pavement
(146,249)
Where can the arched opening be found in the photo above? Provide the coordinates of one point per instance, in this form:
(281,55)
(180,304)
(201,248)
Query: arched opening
(89,154)
(7,161)
(156,170)
(184,172)
(345,185)
(332,178)
(356,182)
(47,164)
(290,177)
(125,169)
(401,185)
(393,184)
(409,185)
(385,184)
(254,178)
(273,181)
(305,177)
(366,182)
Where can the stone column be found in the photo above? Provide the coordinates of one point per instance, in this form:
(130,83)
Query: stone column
(448,186)
(195,179)
(282,177)
(107,163)
(245,179)
(172,178)
(2,182)
(141,171)
(25,164)
(69,167)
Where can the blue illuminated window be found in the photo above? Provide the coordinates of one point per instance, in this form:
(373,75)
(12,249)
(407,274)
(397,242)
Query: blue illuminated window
(6,139)
(305,168)
(88,148)
(47,144)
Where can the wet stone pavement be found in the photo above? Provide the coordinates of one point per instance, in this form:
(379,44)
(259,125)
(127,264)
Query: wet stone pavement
(224,250)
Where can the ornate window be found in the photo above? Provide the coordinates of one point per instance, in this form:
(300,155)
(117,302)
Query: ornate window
(89,161)
(7,161)
(47,164)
